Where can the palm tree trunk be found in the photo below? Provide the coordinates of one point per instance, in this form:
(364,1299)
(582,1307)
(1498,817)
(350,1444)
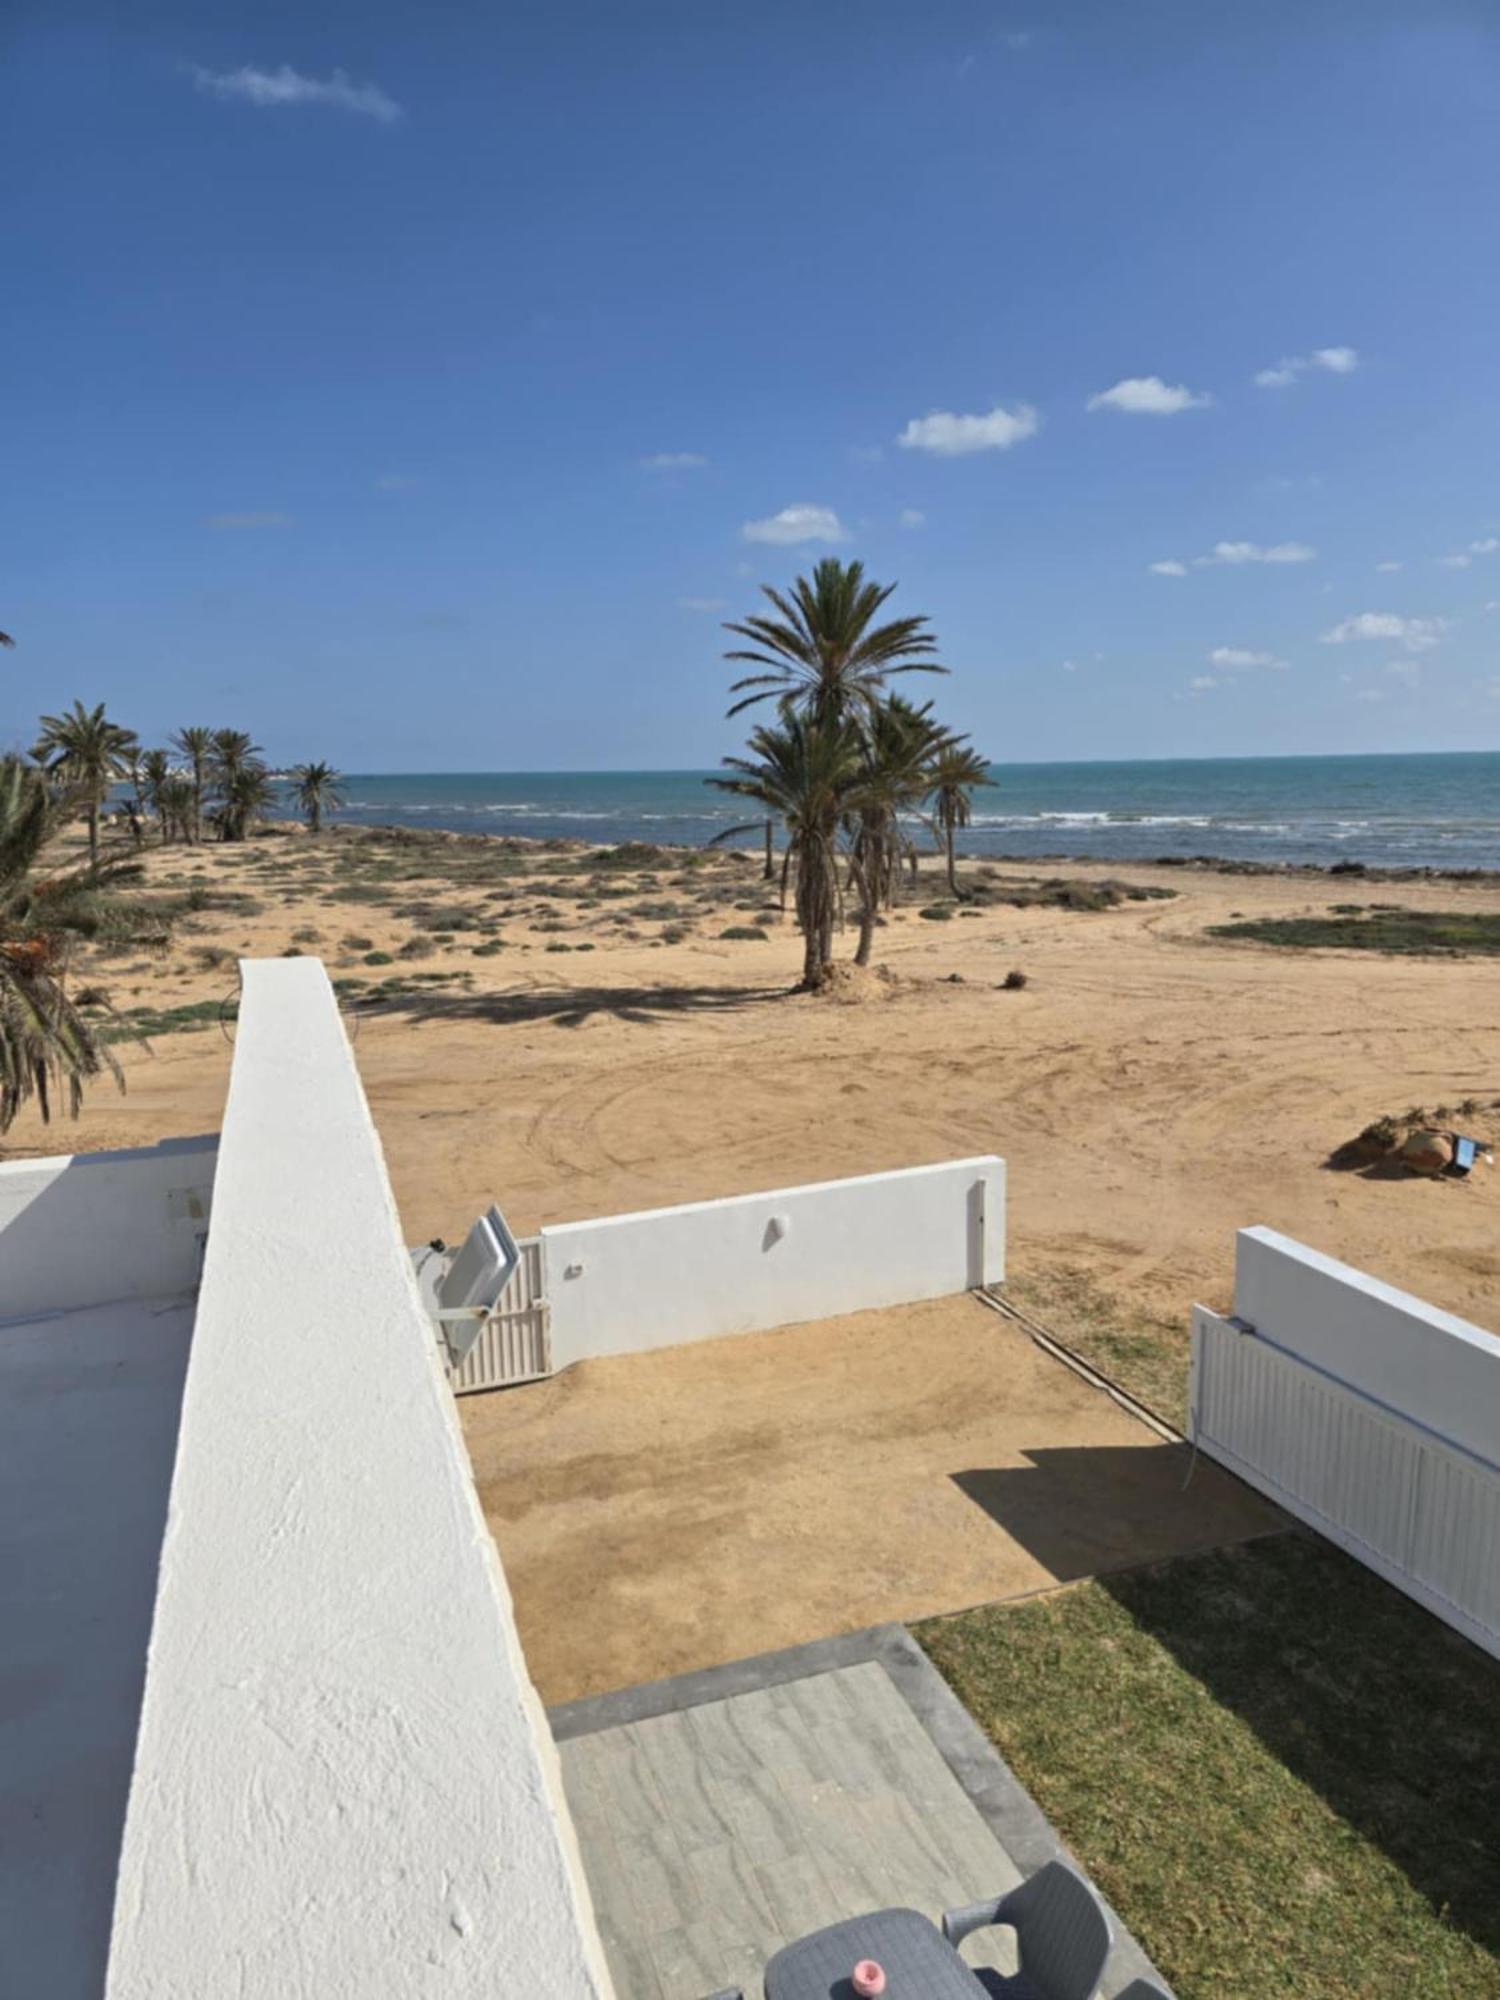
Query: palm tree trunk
(866,867)
(770,869)
(952,871)
(786,870)
(93,817)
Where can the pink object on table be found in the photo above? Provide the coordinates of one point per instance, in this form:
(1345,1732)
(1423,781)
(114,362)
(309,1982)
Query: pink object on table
(868,1979)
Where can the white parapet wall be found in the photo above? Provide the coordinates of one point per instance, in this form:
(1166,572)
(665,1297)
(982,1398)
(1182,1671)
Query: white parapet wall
(626,1283)
(344,1786)
(87,1229)
(1365,1412)
(1428,1365)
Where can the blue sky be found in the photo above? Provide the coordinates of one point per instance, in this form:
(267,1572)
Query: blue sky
(418,385)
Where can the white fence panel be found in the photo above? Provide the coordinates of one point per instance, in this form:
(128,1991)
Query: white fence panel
(1420,1511)
(513,1344)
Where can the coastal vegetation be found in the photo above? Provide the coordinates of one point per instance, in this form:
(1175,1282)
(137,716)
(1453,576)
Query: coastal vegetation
(51,1043)
(49,1049)
(847,761)
(1381,927)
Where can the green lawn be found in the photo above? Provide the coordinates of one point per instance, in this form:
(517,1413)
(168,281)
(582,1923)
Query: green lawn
(1284,1774)
(1385,929)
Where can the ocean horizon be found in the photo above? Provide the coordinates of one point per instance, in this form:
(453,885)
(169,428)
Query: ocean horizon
(1428,810)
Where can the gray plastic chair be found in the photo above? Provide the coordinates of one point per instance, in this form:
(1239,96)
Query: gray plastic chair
(1062,1935)
(1143,1989)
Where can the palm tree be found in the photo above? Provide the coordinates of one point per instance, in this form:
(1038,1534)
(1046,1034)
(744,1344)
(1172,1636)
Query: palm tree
(85,753)
(230,750)
(897,745)
(153,773)
(956,773)
(316,788)
(822,649)
(197,745)
(239,779)
(244,797)
(46,1045)
(803,771)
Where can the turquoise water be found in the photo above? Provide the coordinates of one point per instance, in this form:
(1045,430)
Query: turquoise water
(1416,811)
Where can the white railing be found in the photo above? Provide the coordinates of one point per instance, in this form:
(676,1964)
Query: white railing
(1421,1511)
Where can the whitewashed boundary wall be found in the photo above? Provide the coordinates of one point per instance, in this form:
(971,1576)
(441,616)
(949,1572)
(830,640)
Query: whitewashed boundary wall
(87,1229)
(1431,1366)
(344,1786)
(1365,1413)
(626,1283)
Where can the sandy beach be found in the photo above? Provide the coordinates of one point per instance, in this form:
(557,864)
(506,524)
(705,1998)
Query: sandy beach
(572,1034)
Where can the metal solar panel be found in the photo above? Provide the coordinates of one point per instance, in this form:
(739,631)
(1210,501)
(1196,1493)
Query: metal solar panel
(473,1282)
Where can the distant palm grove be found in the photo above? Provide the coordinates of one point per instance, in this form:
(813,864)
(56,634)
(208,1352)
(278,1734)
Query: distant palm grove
(208,783)
(847,761)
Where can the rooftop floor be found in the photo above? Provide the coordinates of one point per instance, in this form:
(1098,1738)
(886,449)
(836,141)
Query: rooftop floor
(89,1406)
(662,1512)
(725,1814)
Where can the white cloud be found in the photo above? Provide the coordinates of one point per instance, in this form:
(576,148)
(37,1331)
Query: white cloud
(1018,39)
(1454,562)
(1417,635)
(1169,568)
(267,518)
(1241,656)
(1370,694)
(1200,682)
(1493,604)
(394,482)
(275,87)
(1485,546)
(702,604)
(1387,568)
(801,522)
(1333,360)
(1070,666)
(951,436)
(1408,672)
(913,517)
(1149,396)
(1254,552)
(674,461)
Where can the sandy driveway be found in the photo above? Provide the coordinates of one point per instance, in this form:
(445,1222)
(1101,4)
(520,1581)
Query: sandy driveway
(667,1511)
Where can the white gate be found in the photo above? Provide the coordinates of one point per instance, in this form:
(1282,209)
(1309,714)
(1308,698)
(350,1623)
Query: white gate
(514,1343)
(1419,1510)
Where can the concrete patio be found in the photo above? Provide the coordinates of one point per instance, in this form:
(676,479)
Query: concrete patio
(724,1814)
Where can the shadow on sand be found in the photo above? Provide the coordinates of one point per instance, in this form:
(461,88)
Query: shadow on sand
(571,1006)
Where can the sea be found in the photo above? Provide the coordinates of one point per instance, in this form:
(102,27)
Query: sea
(1419,811)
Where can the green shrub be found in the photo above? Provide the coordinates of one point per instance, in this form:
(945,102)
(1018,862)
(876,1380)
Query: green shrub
(746,931)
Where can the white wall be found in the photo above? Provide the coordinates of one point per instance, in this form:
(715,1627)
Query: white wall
(89,1228)
(1425,1364)
(344,1787)
(626,1283)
